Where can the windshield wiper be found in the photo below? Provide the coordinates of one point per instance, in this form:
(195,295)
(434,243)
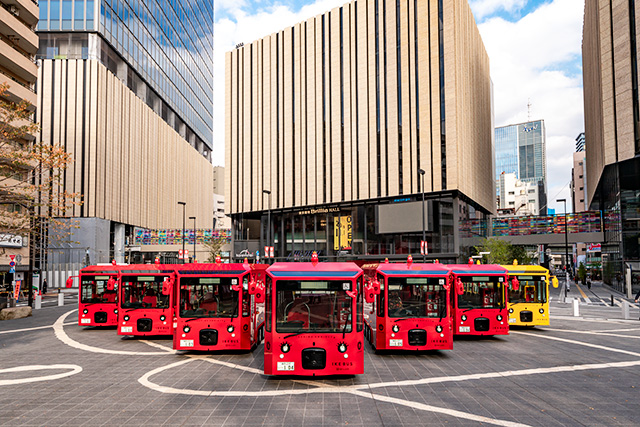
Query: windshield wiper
(296,334)
(131,309)
(194,318)
(471,308)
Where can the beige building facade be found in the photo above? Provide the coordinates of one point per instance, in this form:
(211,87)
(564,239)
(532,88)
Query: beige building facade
(18,46)
(331,118)
(612,129)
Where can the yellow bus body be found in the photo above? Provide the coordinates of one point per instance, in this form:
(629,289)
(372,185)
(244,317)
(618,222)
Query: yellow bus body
(530,313)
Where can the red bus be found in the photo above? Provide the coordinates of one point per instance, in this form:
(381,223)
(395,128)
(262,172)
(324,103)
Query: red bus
(408,307)
(146,298)
(480,299)
(313,315)
(98,296)
(215,310)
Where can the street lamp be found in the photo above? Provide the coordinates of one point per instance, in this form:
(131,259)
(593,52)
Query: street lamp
(194,237)
(566,236)
(421,172)
(268,192)
(184,204)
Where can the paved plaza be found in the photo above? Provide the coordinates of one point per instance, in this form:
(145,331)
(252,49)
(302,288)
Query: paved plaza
(579,371)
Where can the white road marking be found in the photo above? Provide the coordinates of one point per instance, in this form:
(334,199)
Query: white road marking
(58,329)
(33,329)
(586,344)
(445,411)
(622,330)
(603,333)
(74,369)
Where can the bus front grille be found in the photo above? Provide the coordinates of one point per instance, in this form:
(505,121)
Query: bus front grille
(481,324)
(209,337)
(417,337)
(314,358)
(526,316)
(100,317)
(145,325)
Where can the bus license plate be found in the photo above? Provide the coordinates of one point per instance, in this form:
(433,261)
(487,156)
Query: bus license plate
(85,320)
(395,343)
(465,329)
(126,329)
(512,320)
(285,366)
(186,343)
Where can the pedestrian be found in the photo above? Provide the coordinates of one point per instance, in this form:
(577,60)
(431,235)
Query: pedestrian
(637,296)
(44,286)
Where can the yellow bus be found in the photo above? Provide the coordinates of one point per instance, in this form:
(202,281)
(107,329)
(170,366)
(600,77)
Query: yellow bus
(529,305)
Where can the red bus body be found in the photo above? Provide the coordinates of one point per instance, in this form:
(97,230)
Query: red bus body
(480,299)
(146,299)
(310,324)
(97,304)
(412,310)
(214,308)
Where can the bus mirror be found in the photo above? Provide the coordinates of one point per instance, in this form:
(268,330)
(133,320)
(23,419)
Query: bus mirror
(554,281)
(352,294)
(259,292)
(111,284)
(459,286)
(167,285)
(236,287)
(70,282)
(515,284)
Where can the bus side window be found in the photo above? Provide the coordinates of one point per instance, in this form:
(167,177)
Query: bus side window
(246,298)
(359,308)
(267,305)
(380,298)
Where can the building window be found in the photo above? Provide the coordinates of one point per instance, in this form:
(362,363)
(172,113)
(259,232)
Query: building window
(511,193)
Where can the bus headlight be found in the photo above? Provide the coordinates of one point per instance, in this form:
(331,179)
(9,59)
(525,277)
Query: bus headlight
(511,310)
(499,317)
(438,329)
(285,347)
(395,328)
(85,311)
(162,318)
(126,317)
(115,310)
(186,329)
(230,328)
(464,317)
(342,347)
(541,311)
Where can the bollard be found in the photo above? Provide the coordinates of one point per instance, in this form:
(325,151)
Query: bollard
(38,302)
(576,307)
(625,310)
(612,302)
(60,299)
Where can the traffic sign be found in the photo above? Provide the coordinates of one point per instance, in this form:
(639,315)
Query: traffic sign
(12,257)
(424,250)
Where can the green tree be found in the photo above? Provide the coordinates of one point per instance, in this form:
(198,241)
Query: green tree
(214,246)
(502,252)
(582,273)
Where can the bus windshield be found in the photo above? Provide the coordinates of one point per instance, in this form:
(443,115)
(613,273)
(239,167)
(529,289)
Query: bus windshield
(532,289)
(417,297)
(143,292)
(313,306)
(482,292)
(208,297)
(94,290)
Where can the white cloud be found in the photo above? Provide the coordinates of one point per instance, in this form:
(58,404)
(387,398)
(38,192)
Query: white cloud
(534,59)
(482,8)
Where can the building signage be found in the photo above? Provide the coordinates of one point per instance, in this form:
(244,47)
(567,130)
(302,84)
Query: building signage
(16,289)
(529,128)
(319,210)
(594,247)
(10,241)
(342,232)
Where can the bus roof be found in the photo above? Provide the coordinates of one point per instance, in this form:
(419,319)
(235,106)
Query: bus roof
(320,269)
(222,268)
(477,269)
(404,269)
(533,269)
(105,269)
(146,269)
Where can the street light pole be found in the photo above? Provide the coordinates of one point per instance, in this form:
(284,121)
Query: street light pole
(566,236)
(194,237)
(421,172)
(268,193)
(184,204)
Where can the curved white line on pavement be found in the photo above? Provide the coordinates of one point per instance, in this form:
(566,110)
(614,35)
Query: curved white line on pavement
(586,344)
(601,333)
(33,329)
(74,369)
(438,410)
(58,329)
(160,346)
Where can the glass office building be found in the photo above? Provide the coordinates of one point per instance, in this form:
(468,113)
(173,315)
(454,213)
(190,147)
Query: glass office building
(521,149)
(161,49)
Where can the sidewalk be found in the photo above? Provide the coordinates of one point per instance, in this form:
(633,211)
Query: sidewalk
(594,303)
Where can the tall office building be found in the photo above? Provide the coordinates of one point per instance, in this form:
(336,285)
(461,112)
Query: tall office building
(612,128)
(336,126)
(18,45)
(126,87)
(521,149)
(580,142)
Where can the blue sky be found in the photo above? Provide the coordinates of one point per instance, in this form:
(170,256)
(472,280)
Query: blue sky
(534,47)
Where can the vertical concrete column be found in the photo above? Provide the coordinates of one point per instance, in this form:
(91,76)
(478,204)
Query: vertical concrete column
(38,302)
(625,310)
(118,242)
(576,307)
